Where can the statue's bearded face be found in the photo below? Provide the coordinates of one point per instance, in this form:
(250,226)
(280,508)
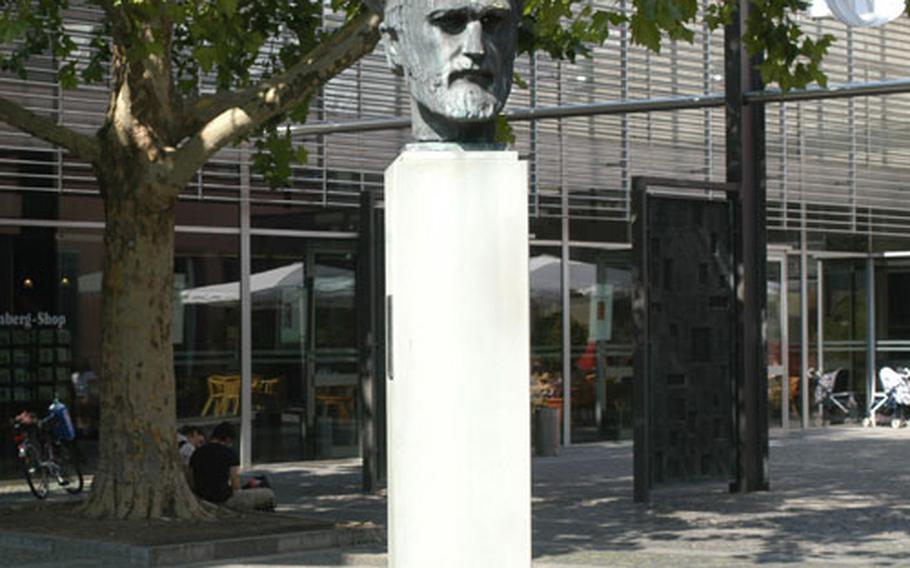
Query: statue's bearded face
(456,54)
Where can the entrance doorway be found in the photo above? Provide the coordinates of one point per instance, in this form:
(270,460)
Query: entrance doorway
(783,380)
(600,298)
(843,305)
(304,355)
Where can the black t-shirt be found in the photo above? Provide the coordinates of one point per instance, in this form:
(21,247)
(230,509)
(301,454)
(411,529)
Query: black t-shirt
(212,465)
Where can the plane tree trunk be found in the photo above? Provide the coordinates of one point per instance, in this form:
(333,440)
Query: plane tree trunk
(139,471)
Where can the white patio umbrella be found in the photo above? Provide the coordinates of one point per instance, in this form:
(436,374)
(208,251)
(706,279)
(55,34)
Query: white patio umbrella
(545,272)
(287,276)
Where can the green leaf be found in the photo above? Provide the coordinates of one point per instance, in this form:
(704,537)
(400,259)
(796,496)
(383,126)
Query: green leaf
(67,75)
(645,32)
(206,56)
(517,79)
(275,152)
(790,57)
(302,156)
(12,27)
(504,132)
(228,7)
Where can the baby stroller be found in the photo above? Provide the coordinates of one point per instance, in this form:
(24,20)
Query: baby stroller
(895,396)
(829,400)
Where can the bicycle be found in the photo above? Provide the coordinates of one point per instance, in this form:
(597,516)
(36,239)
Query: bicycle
(46,452)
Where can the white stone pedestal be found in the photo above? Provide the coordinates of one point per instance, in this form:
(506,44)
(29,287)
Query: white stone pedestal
(458,372)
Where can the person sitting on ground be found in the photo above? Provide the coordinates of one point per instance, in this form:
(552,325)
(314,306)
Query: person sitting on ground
(188,439)
(216,474)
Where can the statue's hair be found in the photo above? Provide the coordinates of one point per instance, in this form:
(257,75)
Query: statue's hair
(391,9)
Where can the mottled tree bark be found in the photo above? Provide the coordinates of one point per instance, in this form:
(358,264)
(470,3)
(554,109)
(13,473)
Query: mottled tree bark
(139,471)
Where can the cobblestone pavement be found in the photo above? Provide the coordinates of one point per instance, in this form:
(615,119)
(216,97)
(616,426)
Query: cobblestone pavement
(839,496)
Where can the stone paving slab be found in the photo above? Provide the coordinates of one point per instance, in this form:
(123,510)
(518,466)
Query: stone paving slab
(29,549)
(839,497)
(56,531)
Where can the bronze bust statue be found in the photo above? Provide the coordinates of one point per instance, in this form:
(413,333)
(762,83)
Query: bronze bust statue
(457,56)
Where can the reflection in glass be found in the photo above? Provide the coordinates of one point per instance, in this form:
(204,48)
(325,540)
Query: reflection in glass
(335,361)
(304,352)
(813,335)
(206,328)
(279,320)
(601,331)
(794,337)
(50,330)
(546,329)
(844,321)
(775,346)
(893,313)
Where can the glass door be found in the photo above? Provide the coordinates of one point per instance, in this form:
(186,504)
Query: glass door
(546,330)
(843,323)
(600,298)
(782,388)
(305,381)
(280,297)
(333,365)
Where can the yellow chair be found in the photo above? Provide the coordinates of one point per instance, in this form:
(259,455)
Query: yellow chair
(230,399)
(214,399)
(267,386)
(341,404)
(264,391)
(224,395)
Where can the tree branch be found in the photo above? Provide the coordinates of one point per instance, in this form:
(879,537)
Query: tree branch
(197,112)
(114,13)
(232,115)
(42,127)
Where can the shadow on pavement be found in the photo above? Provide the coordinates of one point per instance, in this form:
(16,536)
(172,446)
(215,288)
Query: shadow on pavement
(836,495)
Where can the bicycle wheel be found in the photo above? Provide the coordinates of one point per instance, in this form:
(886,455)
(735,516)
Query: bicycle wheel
(70,476)
(35,473)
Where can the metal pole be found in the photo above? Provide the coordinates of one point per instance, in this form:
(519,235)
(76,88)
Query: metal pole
(707,72)
(871,366)
(534,137)
(784,346)
(820,316)
(625,146)
(784,165)
(804,327)
(565,281)
(246,331)
(845,90)
(874,88)
(746,166)
(535,113)
(642,410)
(851,131)
(365,296)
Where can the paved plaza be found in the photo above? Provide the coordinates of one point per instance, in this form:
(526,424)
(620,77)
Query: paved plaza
(839,496)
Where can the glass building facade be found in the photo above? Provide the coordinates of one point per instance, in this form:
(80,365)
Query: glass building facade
(838,212)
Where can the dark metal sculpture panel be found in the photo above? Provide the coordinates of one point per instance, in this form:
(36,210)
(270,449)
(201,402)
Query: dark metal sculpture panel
(686,333)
